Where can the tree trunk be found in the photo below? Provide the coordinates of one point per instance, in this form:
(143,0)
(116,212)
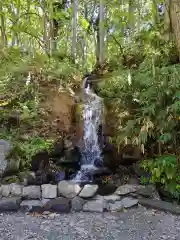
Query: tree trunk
(175,21)
(56,24)
(101,32)
(74,37)
(45,27)
(167,31)
(3,29)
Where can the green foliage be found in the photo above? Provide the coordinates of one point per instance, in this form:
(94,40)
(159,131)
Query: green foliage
(24,149)
(151,102)
(164,171)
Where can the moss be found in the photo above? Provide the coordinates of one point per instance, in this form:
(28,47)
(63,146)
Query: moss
(11,179)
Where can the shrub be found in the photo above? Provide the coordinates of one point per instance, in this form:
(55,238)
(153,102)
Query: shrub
(164,171)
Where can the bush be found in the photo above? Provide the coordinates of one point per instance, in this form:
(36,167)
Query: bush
(164,172)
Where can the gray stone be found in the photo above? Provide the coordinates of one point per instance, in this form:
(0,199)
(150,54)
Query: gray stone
(77,204)
(44,200)
(26,176)
(10,204)
(30,205)
(88,191)
(31,192)
(6,190)
(68,189)
(116,206)
(95,206)
(128,202)
(16,189)
(148,192)
(61,205)
(126,189)
(49,191)
(160,205)
(98,197)
(138,170)
(112,198)
(5,148)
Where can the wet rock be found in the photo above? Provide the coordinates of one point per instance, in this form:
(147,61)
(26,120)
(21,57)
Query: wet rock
(95,206)
(88,191)
(72,154)
(60,205)
(112,198)
(26,177)
(40,161)
(49,191)
(31,192)
(116,206)
(130,154)
(41,177)
(126,189)
(138,170)
(68,189)
(106,189)
(129,202)
(6,190)
(133,181)
(58,149)
(31,205)
(10,204)
(5,148)
(77,204)
(148,192)
(16,189)
(112,159)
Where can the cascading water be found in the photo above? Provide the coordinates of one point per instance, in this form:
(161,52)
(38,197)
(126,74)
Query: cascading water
(91,159)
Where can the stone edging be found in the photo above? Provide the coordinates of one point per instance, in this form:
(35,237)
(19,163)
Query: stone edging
(68,196)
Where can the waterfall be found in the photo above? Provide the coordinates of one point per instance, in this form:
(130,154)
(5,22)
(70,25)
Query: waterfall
(91,160)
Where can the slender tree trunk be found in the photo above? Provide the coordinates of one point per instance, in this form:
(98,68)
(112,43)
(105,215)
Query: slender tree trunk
(45,27)
(74,37)
(175,21)
(101,32)
(3,28)
(58,7)
(15,12)
(97,41)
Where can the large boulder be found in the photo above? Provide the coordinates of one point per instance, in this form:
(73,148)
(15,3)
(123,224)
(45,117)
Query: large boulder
(49,191)
(31,192)
(31,205)
(6,190)
(126,189)
(88,191)
(16,189)
(128,202)
(68,189)
(60,205)
(77,204)
(5,149)
(96,206)
(10,204)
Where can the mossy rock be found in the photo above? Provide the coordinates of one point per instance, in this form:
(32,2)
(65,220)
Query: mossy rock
(23,175)
(12,167)
(11,179)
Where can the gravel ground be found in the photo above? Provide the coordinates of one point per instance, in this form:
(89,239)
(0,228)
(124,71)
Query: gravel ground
(136,224)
